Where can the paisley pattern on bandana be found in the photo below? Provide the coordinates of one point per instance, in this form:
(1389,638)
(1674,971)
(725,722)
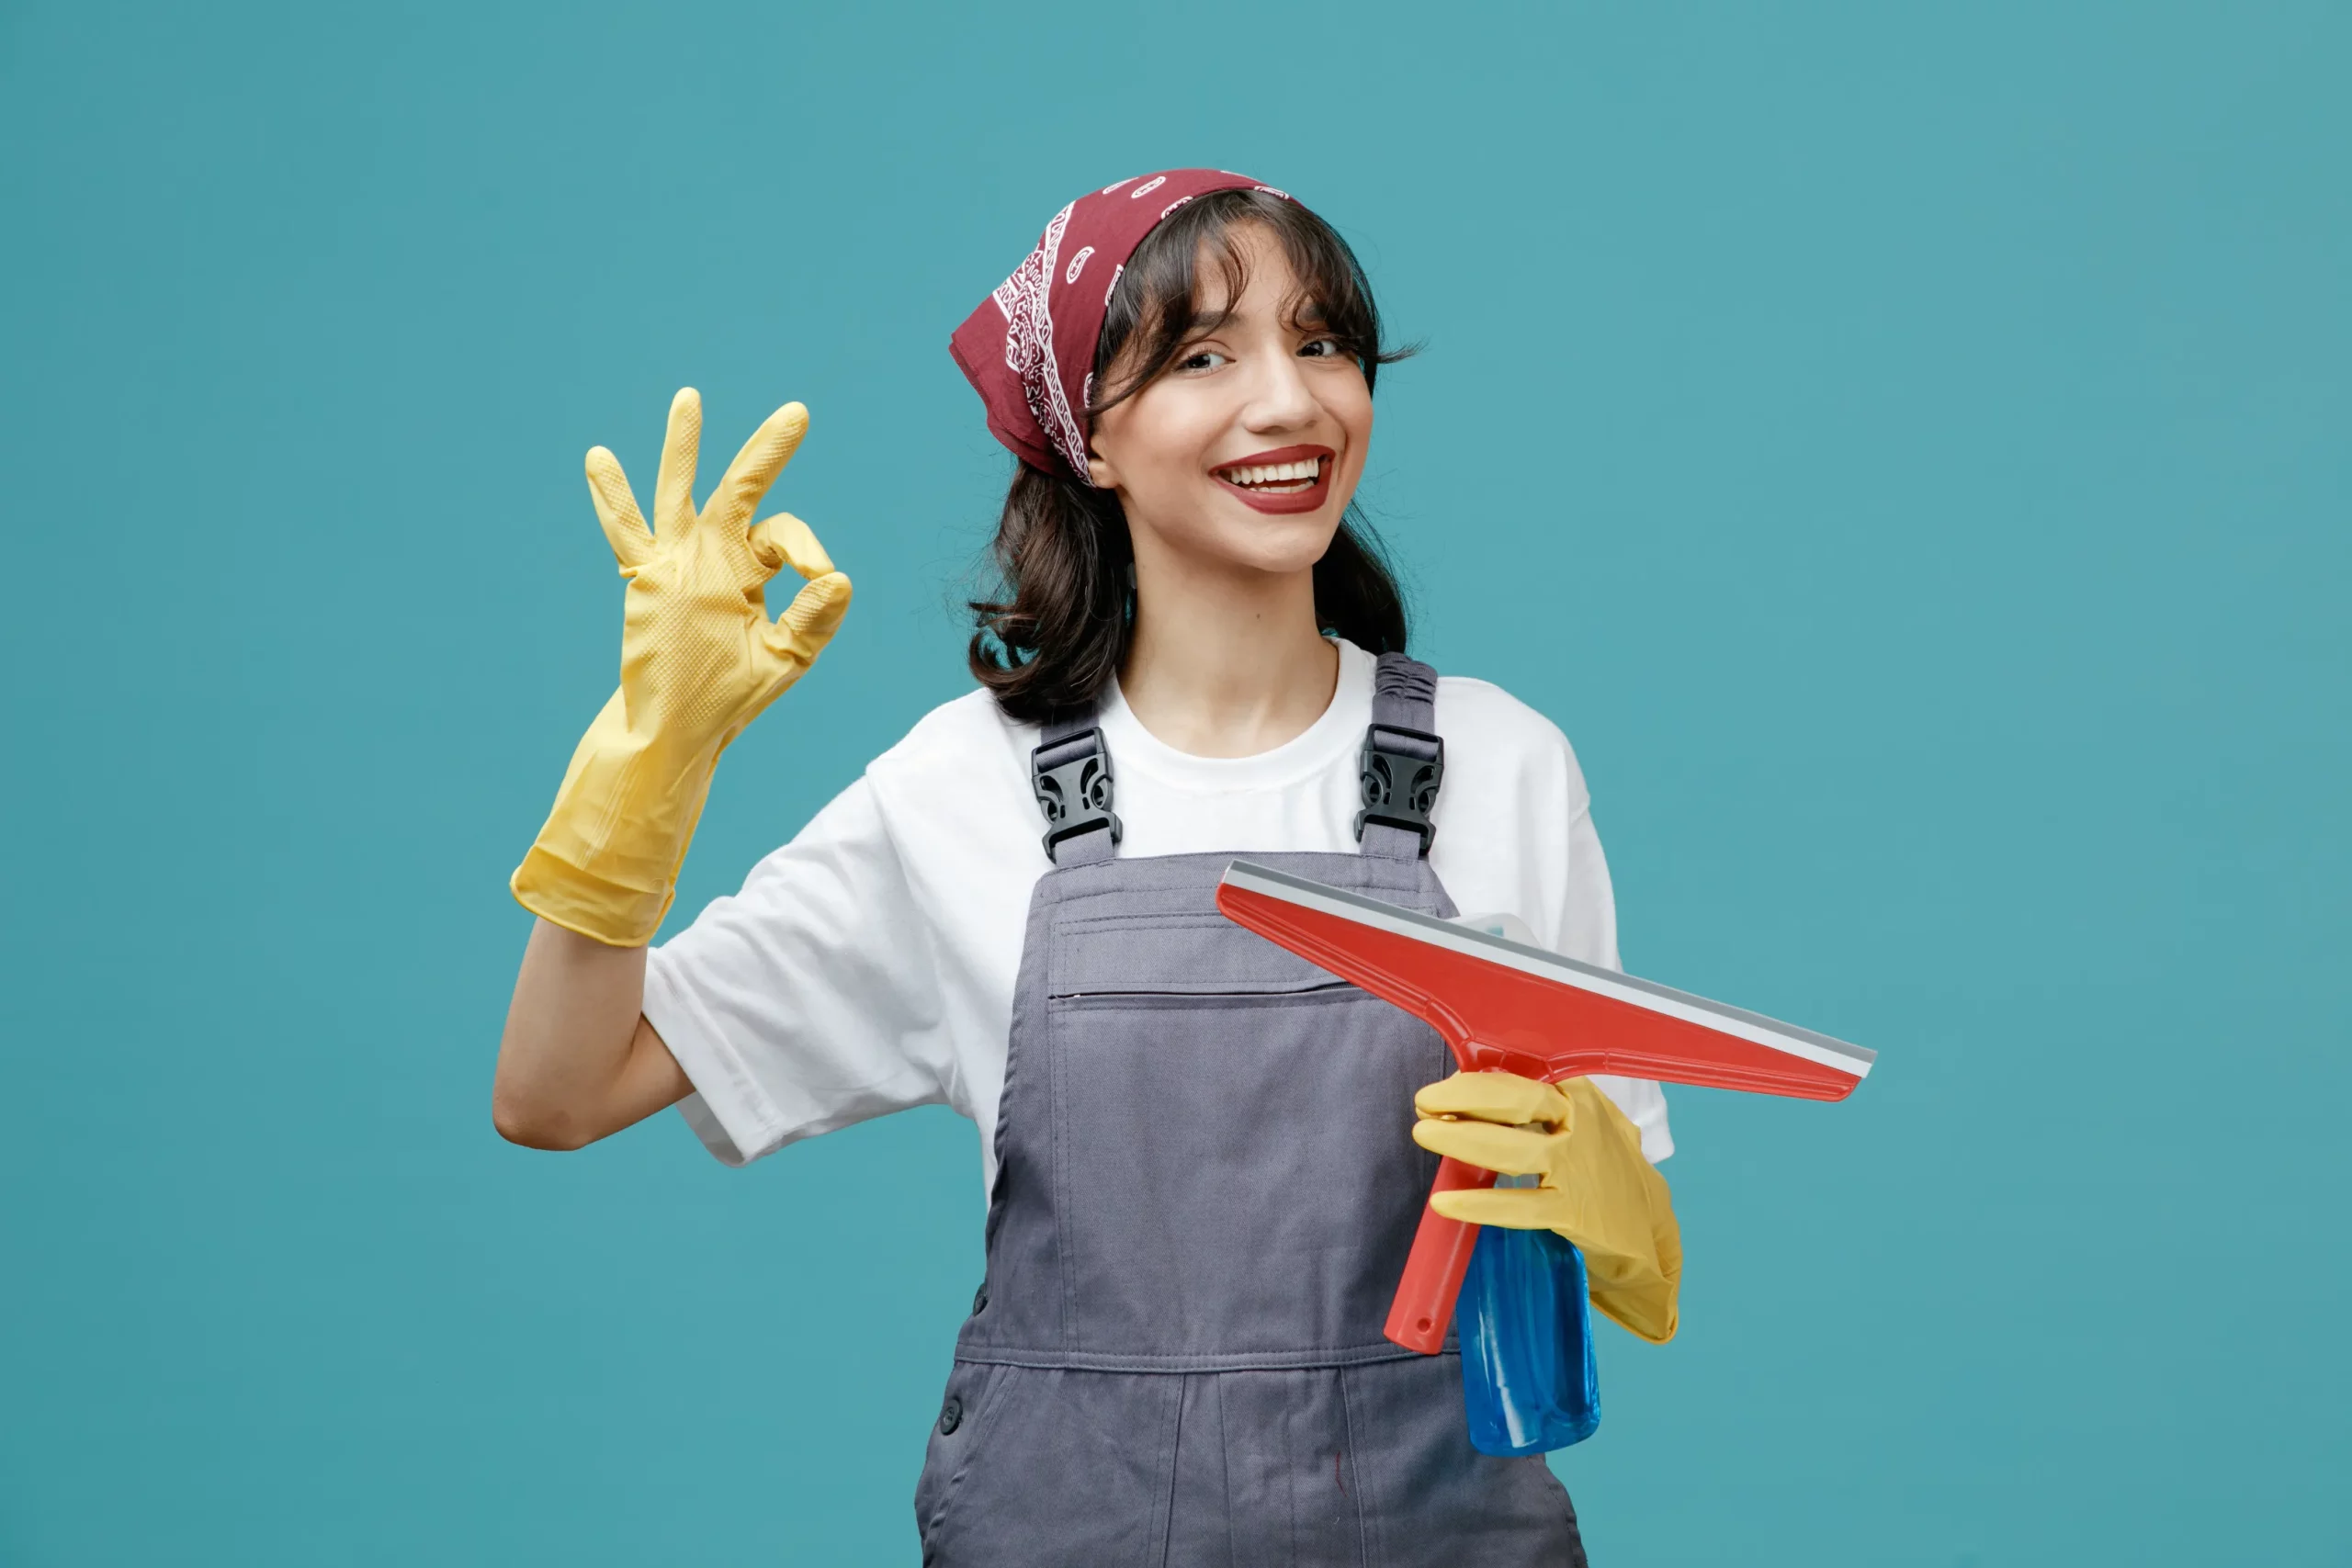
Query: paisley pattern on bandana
(1024,301)
(1029,349)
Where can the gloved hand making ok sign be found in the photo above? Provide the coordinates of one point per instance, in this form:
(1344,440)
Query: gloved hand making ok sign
(700,660)
(1596,1189)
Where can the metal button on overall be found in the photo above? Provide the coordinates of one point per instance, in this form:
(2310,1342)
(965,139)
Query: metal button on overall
(1193,1238)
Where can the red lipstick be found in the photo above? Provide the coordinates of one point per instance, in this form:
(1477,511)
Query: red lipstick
(1305,500)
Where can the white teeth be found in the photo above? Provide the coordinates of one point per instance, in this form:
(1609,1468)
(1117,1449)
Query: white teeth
(1306,469)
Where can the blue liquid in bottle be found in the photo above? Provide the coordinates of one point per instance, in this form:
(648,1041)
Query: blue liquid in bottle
(1527,1378)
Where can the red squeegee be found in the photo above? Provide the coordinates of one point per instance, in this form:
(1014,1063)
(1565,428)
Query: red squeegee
(1506,1007)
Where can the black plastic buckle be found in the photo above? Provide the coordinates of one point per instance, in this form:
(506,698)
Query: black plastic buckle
(1075,796)
(1399,788)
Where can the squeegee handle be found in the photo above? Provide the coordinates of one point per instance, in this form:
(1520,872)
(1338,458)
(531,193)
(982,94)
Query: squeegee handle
(1423,1309)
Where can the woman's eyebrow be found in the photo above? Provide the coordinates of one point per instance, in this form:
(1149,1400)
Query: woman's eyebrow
(1305,313)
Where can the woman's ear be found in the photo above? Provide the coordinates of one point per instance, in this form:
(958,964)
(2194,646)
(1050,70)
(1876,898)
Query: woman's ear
(1099,469)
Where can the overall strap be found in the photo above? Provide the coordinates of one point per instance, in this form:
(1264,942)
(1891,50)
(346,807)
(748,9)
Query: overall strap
(1404,761)
(1069,772)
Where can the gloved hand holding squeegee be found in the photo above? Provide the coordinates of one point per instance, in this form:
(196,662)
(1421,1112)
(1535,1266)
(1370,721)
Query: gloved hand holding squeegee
(1594,1187)
(1520,1020)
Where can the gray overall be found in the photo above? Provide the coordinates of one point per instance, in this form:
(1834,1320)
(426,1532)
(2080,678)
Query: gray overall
(1205,1189)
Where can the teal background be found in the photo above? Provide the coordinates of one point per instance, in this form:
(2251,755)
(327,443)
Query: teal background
(1904,447)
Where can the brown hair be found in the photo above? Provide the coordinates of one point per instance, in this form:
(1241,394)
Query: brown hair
(1053,634)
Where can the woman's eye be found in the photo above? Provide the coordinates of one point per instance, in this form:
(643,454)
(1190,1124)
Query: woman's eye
(1321,348)
(1201,359)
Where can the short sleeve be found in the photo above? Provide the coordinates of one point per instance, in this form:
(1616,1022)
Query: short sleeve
(805,1002)
(1588,931)
(1509,768)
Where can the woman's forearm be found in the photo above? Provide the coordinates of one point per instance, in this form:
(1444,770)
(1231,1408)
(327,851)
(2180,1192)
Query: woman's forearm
(1639,1288)
(578,1061)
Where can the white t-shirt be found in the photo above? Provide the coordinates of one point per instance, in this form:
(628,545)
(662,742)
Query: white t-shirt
(869,965)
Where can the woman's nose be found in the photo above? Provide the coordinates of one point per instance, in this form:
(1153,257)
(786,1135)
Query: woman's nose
(1280,398)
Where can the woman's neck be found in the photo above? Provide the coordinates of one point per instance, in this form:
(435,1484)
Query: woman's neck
(1225,663)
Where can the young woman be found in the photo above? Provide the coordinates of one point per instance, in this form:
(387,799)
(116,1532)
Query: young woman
(1200,1153)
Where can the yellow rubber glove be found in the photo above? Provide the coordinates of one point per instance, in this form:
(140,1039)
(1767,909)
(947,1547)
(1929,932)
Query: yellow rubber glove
(1597,1189)
(699,659)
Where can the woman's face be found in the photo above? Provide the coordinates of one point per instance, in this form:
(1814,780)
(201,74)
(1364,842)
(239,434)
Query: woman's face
(1246,450)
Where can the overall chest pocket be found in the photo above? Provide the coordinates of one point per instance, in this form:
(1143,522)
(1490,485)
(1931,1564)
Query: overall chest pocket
(1194,954)
(1235,1175)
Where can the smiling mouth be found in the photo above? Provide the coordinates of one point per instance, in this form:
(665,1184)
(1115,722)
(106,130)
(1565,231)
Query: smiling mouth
(1295,478)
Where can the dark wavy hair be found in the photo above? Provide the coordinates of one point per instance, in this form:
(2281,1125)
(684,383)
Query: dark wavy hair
(1055,633)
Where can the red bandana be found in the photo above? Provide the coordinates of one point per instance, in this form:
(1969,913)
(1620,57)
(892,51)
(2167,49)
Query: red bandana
(1029,349)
